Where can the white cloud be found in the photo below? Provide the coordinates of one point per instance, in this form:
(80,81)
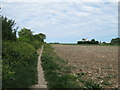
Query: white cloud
(59,0)
(61,21)
(91,9)
(78,24)
(75,13)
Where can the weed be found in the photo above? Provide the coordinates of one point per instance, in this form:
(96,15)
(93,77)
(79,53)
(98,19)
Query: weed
(109,77)
(81,74)
(106,83)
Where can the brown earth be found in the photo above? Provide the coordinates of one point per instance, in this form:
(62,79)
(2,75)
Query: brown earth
(100,63)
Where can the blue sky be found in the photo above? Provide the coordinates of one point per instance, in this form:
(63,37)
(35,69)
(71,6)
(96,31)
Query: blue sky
(66,22)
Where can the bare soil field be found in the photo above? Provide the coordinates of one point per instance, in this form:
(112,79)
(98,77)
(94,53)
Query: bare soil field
(98,63)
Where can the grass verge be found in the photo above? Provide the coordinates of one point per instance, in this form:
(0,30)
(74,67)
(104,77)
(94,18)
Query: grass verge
(56,71)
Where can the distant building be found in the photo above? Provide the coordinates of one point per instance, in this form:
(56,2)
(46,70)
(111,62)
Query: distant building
(85,39)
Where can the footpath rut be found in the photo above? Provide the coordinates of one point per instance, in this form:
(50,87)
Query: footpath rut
(41,81)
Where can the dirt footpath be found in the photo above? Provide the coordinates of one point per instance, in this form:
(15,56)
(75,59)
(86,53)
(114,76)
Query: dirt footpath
(100,63)
(41,81)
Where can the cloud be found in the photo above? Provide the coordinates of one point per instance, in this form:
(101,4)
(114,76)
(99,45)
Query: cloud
(60,0)
(65,21)
(91,9)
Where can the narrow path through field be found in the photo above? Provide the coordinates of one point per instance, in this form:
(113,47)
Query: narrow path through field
(41,80)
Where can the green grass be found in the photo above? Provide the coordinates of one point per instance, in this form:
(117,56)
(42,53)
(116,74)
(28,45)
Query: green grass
(109,77)
(106,83)
(57,73)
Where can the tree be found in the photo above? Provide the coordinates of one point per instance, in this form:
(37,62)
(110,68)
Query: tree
(40,37)
(115,41)
(8,29)
(93,40)
(104,42)
(27,36)
(25,33)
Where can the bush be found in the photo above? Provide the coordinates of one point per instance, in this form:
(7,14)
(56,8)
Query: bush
(36,44)
(115,41)
(19,65)
(87,42)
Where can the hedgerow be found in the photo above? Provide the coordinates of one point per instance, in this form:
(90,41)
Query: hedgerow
(19,65)
(19,55)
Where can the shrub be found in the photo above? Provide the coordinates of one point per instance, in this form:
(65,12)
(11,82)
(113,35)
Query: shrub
(19,65)
(36,44)
(87,42)
(115,41)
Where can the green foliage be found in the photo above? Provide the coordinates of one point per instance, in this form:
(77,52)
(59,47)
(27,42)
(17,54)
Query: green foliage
(115,41)
(36,44)
(93,40)
(25,35)
(104,42)
(106,83)
(87,42)
(24,39)
(25,32)
(40,37)
(8,29)
(56,71)
(19,62)
(19,57)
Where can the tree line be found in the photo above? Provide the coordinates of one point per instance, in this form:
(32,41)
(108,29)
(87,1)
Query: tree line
(9,32)
(93,41)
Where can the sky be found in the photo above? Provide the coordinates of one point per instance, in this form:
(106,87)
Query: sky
(65,21)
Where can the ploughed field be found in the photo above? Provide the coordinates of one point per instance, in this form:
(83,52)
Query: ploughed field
(96,63)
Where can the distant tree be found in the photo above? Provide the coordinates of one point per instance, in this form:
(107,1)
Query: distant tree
(104,42)
(87,42)
(115,41)
(8,29)
(93,40)
(40,37)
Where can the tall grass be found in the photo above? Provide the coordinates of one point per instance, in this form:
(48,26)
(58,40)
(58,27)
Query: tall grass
(56,71)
